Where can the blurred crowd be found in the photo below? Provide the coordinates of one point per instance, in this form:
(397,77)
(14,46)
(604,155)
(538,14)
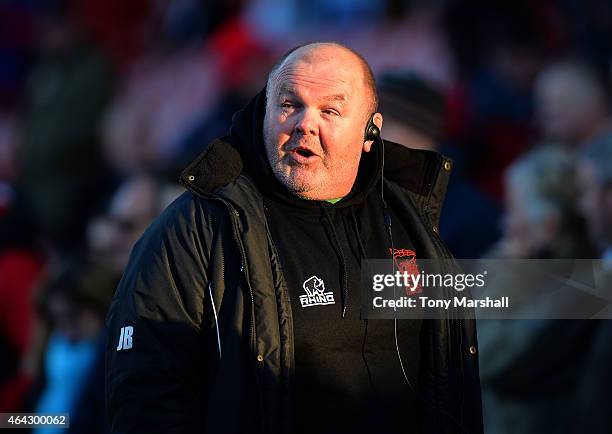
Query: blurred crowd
(103,102)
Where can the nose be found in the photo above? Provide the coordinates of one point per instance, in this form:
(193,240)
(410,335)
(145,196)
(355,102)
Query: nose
(306,123)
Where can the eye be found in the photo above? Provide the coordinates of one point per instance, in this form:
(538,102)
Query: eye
(287,104)
(331,112)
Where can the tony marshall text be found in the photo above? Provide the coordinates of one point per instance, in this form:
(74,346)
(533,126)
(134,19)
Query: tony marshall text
(426,302)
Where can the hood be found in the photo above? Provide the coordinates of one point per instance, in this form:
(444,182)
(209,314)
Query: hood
(242,151)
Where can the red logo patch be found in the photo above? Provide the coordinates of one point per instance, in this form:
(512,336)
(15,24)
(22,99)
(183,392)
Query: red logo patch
(405,262)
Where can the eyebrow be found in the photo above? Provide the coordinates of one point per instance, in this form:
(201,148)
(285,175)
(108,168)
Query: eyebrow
(287,89)
(338,97)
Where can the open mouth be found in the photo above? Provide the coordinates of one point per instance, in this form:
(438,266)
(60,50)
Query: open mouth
(304,152)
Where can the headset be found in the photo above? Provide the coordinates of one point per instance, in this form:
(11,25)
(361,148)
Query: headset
(372,132)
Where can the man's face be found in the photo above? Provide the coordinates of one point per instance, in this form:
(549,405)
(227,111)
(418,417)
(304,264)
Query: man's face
(314,124)
(567,104)
(595,204)
(131,210)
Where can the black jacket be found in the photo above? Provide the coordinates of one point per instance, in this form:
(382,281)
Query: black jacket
(210,347)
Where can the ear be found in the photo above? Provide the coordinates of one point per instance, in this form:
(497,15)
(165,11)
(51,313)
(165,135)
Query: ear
(378,121)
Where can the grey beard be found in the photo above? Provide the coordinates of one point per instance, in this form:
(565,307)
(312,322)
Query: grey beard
(275,161)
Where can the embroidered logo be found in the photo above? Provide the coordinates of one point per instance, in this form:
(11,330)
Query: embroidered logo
(405,262)
(125,339)
(315,293)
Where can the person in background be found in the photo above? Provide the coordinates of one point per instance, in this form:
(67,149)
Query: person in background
(414,116)
(572,105)
(21,267)
(133,206)
(74,301)
(530,367)
(62,173)
(22,264)
(72,306)
(542,218)
(595,180)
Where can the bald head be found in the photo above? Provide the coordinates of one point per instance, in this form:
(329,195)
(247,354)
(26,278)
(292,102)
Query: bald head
(326,52)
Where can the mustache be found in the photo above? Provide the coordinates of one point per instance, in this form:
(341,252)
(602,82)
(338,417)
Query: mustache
(311,143)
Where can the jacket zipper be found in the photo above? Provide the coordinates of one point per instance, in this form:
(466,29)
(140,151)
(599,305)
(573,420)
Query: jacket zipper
(253,331)
(244,268)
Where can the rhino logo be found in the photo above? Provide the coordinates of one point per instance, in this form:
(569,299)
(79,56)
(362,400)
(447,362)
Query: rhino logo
(315,293)
(314,286)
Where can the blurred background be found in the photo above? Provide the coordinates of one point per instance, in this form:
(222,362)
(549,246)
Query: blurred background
(103,102)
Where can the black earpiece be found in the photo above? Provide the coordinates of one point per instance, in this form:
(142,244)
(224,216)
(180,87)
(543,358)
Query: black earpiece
(372,132)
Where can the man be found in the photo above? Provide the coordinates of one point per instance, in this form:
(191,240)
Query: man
(572,107)
(595,180)
(239,309)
